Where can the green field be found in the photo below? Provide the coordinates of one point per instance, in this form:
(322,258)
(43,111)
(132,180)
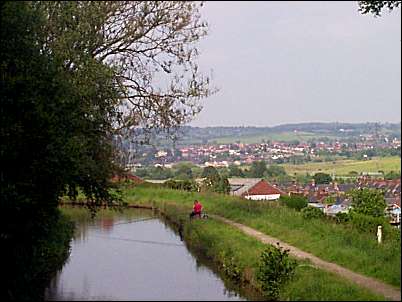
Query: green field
(253,139)
(343,167)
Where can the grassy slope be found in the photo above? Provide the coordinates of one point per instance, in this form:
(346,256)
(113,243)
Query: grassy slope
(333,242)
(217,240)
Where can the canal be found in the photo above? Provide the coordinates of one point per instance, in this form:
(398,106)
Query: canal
(133,255)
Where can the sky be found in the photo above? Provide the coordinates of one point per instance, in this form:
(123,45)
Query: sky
(292,62)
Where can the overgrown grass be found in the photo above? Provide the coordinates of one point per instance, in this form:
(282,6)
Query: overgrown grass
(341,244)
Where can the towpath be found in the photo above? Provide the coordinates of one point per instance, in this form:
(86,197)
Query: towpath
(374,285)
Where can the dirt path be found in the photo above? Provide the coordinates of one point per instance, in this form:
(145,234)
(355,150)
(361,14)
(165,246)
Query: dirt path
(376,286)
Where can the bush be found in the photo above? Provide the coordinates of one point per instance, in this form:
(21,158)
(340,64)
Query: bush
(295,202)
(342,217)
(230,265)
(368,223)
(275,269)
(185,185)
(311,212)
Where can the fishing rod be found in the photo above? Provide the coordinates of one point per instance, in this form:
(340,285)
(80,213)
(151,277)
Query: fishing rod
(135,220)
(139,241)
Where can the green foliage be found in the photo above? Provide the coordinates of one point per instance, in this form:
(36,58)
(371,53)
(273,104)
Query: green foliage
(392,175)
(342,217)
(368,202)
(329,200)
(30,264)
(216,183)
(312,213)
(275,170)
(367,223)
(340,243)
(235,171)
(185,185)
(322,178)
(258,168)
(184,171)
(275,270)
(209,172)
(295,202)
(230,265)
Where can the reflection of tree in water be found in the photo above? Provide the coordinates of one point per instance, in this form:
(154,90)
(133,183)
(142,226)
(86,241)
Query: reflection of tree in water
(105,219)
(107,224)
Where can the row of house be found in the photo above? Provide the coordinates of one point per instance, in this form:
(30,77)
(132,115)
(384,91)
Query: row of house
(260,189)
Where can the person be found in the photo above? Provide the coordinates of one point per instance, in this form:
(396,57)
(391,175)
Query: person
(197,208)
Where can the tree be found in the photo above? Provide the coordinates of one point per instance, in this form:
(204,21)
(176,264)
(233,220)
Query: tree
(235,171)
(368,201)
(216,183)
(258,168)
(209,172)
(322,178)
(74,75)
(150,47)
(275,170)
(375,7)
(184,171)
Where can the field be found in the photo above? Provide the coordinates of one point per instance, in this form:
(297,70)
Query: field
(252,139)
(343,167)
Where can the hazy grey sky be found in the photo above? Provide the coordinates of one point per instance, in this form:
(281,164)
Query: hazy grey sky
(290,62)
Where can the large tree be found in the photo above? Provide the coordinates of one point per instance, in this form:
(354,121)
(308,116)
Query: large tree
(150,47)
(368,202)
(73,76)
(124,68)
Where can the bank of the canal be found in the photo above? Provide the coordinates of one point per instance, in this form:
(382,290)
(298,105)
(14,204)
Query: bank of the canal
(136,255)
(237,255)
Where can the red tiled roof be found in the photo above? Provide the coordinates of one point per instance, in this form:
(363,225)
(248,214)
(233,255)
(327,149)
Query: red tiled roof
(263,188)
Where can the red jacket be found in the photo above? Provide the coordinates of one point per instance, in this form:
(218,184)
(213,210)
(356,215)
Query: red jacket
(197,207)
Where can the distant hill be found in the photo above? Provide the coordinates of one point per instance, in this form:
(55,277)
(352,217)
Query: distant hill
(188,135)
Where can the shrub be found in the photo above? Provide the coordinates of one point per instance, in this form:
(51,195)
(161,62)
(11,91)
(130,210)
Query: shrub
(275,269)
(368,223)
(311,212)
(342,217)
(295,202)
(230,266)
(185,185)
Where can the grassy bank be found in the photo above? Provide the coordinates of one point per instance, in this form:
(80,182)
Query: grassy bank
(333,242)
(236,255)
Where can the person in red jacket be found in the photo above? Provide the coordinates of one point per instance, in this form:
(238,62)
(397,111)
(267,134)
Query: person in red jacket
(197,208)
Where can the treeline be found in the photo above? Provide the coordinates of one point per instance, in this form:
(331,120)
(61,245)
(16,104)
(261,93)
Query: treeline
(187,171)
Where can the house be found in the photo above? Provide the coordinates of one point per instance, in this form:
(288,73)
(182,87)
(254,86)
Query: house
(254,189)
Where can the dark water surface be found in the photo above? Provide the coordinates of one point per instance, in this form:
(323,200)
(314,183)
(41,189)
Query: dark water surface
(132,255)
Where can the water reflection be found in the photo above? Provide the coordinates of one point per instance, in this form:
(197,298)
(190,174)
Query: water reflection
(132,255)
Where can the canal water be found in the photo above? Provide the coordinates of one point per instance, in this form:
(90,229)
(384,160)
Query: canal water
(132,255)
